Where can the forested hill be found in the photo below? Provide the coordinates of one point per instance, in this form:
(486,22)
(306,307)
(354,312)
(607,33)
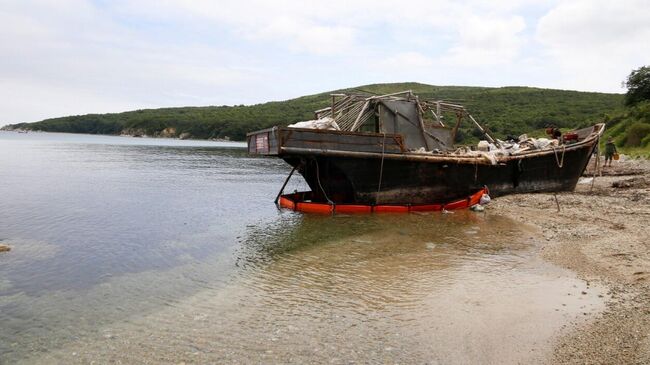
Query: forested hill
(505,110)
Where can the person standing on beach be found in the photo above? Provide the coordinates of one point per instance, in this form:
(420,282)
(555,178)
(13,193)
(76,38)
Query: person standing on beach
(610,150)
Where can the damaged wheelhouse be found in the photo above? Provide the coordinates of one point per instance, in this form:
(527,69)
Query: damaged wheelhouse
(397,149)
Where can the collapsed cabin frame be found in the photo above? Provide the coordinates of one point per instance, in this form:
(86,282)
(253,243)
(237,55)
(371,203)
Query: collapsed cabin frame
(375,113)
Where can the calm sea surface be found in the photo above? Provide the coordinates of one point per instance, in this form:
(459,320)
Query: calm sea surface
(164,251)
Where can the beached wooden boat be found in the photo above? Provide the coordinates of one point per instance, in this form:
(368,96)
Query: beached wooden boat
(383,150)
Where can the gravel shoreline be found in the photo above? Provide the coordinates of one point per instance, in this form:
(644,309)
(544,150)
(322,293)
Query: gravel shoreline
(602,234)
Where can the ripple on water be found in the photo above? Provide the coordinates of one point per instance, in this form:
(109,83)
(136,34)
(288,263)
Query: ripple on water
(364,293)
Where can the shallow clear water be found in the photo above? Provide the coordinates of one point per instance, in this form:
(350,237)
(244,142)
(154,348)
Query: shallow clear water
(147,250)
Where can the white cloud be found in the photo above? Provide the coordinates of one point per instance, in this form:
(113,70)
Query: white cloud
(487,41)
(60,53)
(408,60)
(27,100)
(111,55)
(593,45)
(300,27)
(305,36)
(583,24)
(320,27)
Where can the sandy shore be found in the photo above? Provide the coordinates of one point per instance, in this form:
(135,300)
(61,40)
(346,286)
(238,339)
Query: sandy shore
(602,233)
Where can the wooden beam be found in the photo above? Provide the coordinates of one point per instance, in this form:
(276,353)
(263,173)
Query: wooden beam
(489,137)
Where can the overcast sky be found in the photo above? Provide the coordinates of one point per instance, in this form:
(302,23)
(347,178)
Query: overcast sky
(64,57)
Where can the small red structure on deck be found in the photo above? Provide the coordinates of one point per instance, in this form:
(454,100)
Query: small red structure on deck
(301,202)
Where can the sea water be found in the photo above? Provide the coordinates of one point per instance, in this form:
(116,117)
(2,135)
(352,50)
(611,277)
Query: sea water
(140,250)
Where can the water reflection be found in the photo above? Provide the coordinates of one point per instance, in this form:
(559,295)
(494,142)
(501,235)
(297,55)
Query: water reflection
(293,232)
(372,262)
(418,288)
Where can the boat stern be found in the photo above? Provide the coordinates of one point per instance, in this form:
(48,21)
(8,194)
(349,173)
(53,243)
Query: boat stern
(263,142)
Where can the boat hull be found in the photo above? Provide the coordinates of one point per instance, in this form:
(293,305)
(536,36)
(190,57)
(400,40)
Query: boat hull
(361,168)
(369,180)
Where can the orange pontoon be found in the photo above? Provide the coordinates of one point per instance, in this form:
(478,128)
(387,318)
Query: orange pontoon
(301,202)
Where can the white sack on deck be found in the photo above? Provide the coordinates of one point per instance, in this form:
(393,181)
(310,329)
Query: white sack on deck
(325,123)
(490,156)
(541,143)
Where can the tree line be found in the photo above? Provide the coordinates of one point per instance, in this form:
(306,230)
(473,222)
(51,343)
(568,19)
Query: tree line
(505,111)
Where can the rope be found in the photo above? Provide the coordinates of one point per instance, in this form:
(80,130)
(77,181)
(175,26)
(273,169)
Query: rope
(381,167)
(320,185)
(560,162)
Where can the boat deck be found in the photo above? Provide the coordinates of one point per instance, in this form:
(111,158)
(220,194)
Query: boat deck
(273,141)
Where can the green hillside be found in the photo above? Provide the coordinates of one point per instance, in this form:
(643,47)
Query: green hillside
(630,129)
(505,110)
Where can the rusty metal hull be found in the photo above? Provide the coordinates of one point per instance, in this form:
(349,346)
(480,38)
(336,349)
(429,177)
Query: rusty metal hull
(359,169)
(357,179)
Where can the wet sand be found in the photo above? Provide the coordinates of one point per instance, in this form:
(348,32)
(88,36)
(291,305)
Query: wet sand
(602,234)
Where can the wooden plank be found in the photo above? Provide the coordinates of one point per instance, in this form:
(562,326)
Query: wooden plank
(344,144)
(356,121)
(283,130)
(339,147)
(327,137)
(344,147)
(477,160)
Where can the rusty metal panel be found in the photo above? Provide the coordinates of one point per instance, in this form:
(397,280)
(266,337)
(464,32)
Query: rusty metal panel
(402,116)
(263,142)
(349,141)
(444,138)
